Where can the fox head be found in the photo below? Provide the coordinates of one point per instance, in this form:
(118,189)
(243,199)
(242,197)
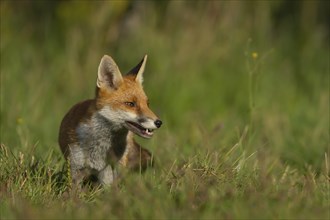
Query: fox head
(121,99)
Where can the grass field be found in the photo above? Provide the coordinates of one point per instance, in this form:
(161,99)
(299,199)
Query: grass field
(244,97)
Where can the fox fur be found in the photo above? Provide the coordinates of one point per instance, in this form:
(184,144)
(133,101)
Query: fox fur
(97,135)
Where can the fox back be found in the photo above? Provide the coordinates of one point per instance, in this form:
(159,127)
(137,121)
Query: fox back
(97,134)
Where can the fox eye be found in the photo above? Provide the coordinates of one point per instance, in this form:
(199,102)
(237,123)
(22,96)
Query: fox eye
(130,104)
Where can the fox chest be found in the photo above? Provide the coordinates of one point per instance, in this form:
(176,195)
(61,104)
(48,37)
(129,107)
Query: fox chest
(101,144)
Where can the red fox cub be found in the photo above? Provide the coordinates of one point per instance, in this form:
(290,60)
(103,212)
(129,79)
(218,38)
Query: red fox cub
(97,134)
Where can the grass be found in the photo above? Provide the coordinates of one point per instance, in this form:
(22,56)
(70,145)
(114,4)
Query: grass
(207,185)
(245,111)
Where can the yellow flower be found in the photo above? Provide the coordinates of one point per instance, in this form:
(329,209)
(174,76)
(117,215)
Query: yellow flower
(254,55)
(19,120)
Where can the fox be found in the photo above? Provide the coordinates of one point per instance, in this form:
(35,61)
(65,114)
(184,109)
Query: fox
(97,135)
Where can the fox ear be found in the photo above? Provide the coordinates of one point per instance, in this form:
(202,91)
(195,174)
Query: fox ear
(108,75)
(139,70)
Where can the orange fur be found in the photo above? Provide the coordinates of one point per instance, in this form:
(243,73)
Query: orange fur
(113,92)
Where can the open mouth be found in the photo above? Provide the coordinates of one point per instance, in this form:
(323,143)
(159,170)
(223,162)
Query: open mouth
(139,130)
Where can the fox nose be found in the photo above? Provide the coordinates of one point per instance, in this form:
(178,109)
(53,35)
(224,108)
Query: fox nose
(158,123)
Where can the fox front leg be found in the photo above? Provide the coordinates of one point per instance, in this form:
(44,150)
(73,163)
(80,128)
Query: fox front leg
(107,176)
(77,177)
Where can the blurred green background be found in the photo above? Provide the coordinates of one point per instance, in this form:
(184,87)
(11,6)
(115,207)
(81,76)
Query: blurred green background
(215,69)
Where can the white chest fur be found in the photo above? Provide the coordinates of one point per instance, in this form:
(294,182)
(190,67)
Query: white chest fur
(100,142)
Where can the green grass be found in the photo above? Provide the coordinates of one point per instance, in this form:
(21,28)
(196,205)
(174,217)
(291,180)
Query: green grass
(244,136)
